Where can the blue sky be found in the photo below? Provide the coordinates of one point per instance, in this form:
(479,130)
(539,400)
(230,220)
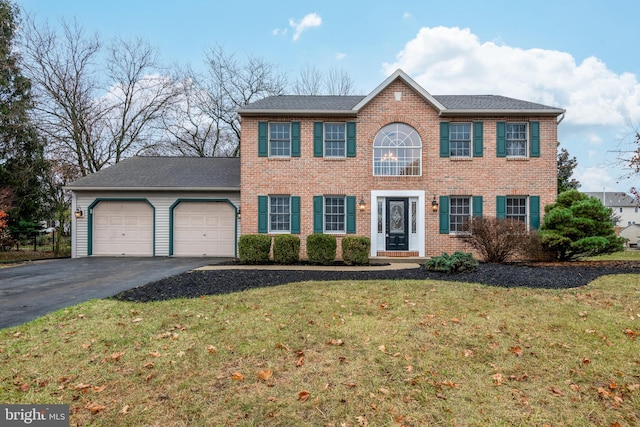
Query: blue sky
(577,55)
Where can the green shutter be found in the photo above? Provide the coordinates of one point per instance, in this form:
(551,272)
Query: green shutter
(478,139)
(534,212)
(444,140)
(318,131)
(295,214)
(263,214)
(351,214)
(501,139)
(351,139)
(501,207)
(295,139)
(444,215)
(534,139)
(476,206)
(263,143)
(318,214)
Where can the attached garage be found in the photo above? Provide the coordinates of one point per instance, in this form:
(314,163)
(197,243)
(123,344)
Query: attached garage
(158,206)
(122,228)
(204,228)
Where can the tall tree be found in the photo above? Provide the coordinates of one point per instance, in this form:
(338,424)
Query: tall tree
(93,117)
(311,81)
(566,165)
(22,163)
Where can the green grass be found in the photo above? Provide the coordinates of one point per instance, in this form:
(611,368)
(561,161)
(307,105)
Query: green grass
(627,255)
(394,353)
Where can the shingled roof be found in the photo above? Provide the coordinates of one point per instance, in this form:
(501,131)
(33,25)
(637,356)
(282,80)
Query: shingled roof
(165,173)
(349,105)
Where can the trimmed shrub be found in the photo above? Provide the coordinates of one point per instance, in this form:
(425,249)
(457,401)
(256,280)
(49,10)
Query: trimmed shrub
(458,262)
(497,240)
(286,249)
(254,248)
(321,248)
(355,250)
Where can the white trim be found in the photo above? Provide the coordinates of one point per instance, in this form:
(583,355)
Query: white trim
(373,202)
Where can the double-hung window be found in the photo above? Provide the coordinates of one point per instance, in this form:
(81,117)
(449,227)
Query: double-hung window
(460,139)
(279,139)
(279,214)
(335,141)
(459,213)
(334,214)
(516,139)
(397,151)
(517,209)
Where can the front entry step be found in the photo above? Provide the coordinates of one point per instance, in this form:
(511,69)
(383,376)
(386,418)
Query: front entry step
(397,254)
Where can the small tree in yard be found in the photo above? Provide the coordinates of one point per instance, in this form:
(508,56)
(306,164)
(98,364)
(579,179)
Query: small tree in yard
(495,239)
(577,226)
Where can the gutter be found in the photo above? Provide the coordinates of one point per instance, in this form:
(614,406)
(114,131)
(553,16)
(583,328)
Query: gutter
(115,189)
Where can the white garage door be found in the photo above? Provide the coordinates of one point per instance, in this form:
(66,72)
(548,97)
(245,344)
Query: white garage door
(204,229)
(123,228)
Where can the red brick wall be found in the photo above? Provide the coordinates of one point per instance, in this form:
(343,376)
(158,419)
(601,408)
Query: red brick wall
(306,176)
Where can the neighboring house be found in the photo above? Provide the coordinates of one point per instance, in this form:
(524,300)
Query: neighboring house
(399,165)
(158,206)
(624,207)
(632,234)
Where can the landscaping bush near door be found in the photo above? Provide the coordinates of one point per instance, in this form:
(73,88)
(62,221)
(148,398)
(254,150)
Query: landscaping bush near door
(321,249)
(254,248)
(355,250)
(458,262)
(286,249)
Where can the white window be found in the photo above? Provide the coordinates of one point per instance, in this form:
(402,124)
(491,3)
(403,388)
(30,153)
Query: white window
(397,151)
(334,214)
(517,209)
(279,214)
(460,139)
(516,140)
(279,139)
(335,142)
(459,213)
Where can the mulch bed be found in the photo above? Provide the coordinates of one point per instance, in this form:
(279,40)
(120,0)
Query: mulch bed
(536,275)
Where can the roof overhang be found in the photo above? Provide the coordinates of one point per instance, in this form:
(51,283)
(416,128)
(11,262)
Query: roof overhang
(525,112)
(152,189)
(301,113)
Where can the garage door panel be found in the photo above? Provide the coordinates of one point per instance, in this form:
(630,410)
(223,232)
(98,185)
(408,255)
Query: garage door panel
(204,229)
(123,228)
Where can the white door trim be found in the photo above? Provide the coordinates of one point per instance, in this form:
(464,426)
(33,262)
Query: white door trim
(373,202)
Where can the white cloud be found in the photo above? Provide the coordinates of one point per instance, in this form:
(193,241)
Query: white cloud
(280,31)
(311,20)
(595,178)
(341,55)
(454,61)
(407,15)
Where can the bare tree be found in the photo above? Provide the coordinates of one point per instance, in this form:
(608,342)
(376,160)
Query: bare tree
(94,119)
(309,81)
(339,82)
(229,84)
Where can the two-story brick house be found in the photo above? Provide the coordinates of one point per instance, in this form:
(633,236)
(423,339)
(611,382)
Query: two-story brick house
(399,165)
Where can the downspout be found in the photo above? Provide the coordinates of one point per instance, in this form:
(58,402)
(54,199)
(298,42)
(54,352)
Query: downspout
(560,119)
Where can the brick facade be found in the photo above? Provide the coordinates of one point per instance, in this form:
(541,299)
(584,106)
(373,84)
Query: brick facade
(307,176)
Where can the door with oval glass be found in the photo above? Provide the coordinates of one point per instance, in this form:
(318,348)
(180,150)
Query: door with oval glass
(397,227)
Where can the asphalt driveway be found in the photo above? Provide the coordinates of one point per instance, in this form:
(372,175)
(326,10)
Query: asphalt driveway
(32,290)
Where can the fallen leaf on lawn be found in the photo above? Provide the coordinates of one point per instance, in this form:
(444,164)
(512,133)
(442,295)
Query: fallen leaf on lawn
(633,387)
(99,389)
(349,385)
(116,356)
(441,396)
(94,407)
(517,350)
(154,354)
(556,391)
(335,342)
(631,333)
(451,384)
(211,349)
(300,361)
(137,320)
(84,387)
(586,361)
(575,387)
(265,374)
(303,396)
(383,390)
(24,387)
(382,348)
(468,353)
(237,376)
(124,409)
(497,379)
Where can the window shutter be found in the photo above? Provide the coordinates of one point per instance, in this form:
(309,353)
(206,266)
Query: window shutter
(318,202)
(501,139)
(295,139)
(263,214)
(444,140)
(534,212)
(351,139)
(478,139)
(477,206)
(295,214)
(534,139)
(318,131)
(501,207)
(263,143)
(351,215)
(444,214)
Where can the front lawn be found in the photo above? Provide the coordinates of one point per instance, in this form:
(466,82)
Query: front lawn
(378,353)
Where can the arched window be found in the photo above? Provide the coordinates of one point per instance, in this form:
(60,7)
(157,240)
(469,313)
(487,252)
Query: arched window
(397,151)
